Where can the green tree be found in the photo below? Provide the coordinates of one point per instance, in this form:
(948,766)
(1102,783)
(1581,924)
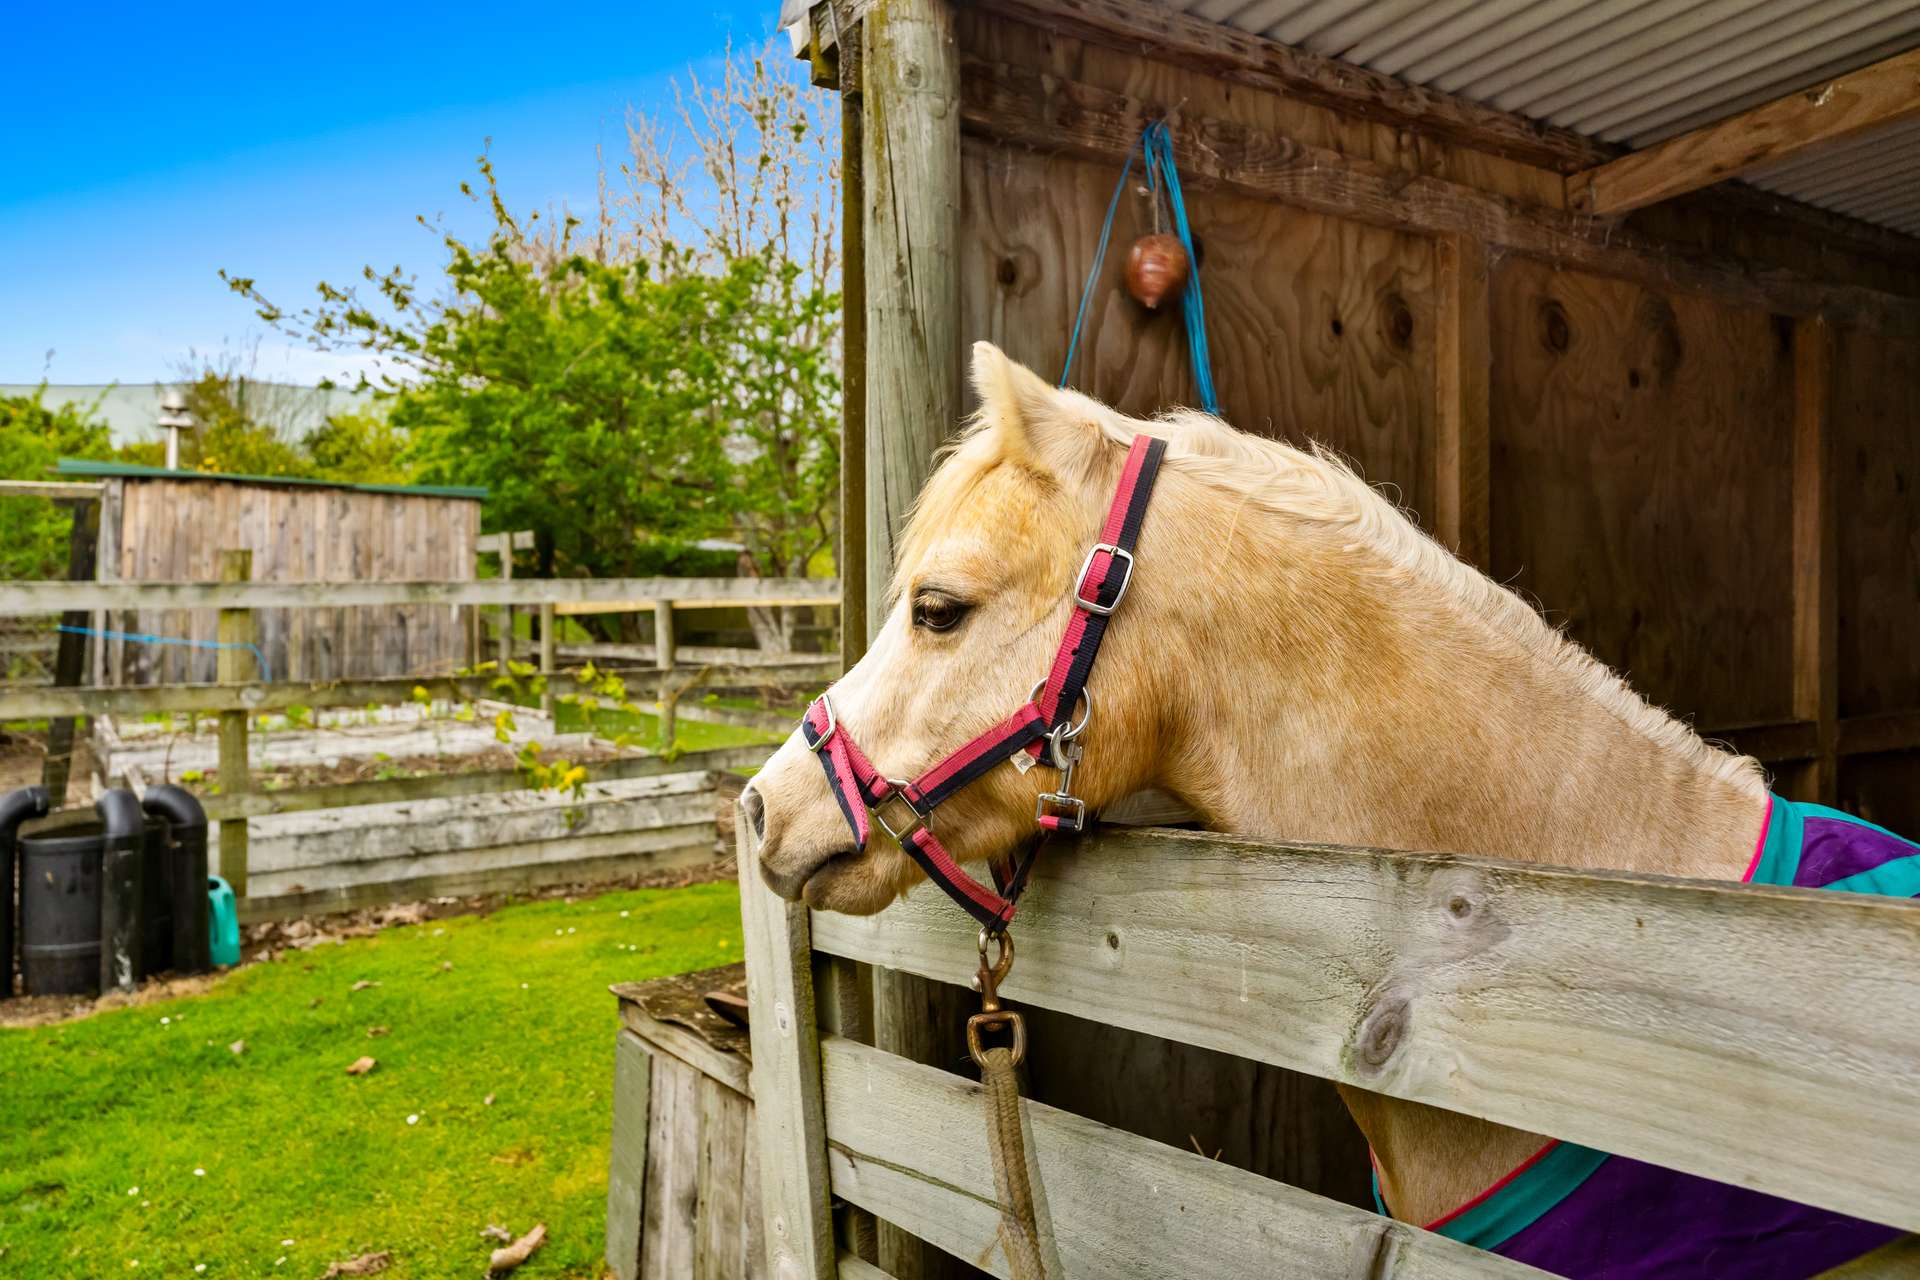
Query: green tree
(234,426)
(33,531)
(360,448)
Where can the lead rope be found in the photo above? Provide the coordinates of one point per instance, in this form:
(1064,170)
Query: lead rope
(1013,1175)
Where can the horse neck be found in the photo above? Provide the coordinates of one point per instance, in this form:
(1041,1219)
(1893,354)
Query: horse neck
(1349,702)
(1339,702)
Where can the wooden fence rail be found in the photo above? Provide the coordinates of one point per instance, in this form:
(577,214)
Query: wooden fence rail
(1755,1035)
(568,595)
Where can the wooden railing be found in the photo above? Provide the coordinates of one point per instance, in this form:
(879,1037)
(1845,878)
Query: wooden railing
(1759,1036)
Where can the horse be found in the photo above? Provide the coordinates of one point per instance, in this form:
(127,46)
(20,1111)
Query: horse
(1294,659)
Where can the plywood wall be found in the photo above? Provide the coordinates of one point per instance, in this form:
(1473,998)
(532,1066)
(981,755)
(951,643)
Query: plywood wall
(174,530)
(1640,442)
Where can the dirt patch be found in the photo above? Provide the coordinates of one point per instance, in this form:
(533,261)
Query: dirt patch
(23,756)
(266,942)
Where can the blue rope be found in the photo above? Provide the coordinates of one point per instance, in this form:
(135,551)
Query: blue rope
(140,637)
(1156,147)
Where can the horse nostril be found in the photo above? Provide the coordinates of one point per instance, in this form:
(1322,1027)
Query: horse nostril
(756,810)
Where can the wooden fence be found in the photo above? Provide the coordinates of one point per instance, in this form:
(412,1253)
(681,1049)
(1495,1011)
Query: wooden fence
(630,816)
(1755,1035)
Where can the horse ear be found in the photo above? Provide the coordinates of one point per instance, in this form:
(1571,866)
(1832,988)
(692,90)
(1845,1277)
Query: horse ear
(1042,425)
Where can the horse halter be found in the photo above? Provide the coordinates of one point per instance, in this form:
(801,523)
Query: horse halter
(1044,727)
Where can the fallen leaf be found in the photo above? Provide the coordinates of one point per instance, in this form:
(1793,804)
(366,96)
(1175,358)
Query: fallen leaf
(446,965)
(237,1048)
(315,1002)
(374,1033)
(362,985)
(510,1256)
(487,1101)
(493,1232)
(361,1066)
(366,1264)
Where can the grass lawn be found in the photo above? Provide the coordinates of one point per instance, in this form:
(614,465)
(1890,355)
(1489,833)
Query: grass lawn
(136,1143)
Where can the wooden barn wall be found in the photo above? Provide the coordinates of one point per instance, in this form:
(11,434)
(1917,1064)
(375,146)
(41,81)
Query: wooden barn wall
(175,530)
(1876,465)
(1641,449)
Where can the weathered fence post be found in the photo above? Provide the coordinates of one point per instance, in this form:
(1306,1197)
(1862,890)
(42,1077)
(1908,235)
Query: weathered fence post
(506,610)
(663,657)
(234,667)
(71,656)
(546,658)
(910,188)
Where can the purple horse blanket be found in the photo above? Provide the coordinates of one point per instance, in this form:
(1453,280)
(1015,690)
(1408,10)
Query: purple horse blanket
(1574,1211)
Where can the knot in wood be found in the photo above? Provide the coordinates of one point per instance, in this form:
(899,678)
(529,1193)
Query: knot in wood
(1381,1032)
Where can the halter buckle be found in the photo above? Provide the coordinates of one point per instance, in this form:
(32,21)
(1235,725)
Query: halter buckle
(1069,812)
(833,725)
(1090,601)
(907,829)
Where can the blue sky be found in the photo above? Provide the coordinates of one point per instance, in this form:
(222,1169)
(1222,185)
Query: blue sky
(144,147)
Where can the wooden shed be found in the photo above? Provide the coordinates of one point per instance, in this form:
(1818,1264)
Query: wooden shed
(1623,304)
(171,526)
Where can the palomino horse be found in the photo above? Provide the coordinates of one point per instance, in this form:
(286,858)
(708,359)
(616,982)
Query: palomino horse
(1288,627)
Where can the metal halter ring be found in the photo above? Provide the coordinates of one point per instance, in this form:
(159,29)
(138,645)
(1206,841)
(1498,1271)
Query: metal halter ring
(1086,696)
(833,723)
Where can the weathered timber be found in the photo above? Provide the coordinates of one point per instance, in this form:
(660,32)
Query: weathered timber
(1870,98)
(484,782)
(1012,104)
(1459,982)
(18,704)
(1816,557)
(1158,31)
(627,593)
(55,490)
(627,1175)
(234,663)
(786,1077)
(1463,361)
(1119,1205)
(83,544)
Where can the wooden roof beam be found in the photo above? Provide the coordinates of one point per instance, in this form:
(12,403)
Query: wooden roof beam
(1882,94)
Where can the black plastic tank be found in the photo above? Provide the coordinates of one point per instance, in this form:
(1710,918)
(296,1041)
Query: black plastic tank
(146,864)
(15,808)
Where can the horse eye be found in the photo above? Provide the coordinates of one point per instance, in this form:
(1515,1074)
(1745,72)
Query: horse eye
(938,613)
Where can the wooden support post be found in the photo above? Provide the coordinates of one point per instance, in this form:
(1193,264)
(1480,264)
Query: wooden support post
(786,1076)
(627,1177)
(854,547)
(910,163)
(506,610)
(1462,395)
(663,660)
(547,620)
(1816,558)
(235,666)
(909,72)
(71,657)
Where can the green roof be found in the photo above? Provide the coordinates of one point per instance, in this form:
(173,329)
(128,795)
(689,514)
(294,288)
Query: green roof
(133,471)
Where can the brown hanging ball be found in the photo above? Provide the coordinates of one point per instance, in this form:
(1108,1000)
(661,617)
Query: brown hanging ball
(1157,269)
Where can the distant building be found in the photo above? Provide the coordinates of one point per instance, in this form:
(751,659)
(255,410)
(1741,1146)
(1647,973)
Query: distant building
(129,409)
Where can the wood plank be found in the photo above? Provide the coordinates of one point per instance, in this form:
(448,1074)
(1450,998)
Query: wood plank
(627,1172)
(53,490)
(1870,98)
(673,1186)
(236,776)
(1721,1028)
(514,876)
(730,1069)
(83,544)
(791,1131)
(626,593)
(724,1118)
(1463,367)
(1136,26)
(851,563)
(1888,731)
(908,1142)
(1056,114)
(1816,557)
(483,782)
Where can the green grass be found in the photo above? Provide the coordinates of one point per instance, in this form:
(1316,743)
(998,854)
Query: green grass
(293,1148)
(689,735)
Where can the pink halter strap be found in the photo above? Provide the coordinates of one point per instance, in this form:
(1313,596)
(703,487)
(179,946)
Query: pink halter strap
(1043,724)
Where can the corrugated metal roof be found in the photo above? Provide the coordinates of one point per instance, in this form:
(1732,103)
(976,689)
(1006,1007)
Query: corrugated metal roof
(1631,72)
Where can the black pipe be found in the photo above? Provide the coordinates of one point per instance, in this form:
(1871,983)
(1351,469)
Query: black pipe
(187,834)
(15,808)
(122,861)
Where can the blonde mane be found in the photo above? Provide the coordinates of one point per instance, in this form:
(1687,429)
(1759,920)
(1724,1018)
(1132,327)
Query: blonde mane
(1320,489)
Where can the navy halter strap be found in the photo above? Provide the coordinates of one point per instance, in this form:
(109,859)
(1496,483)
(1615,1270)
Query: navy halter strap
(1044,726)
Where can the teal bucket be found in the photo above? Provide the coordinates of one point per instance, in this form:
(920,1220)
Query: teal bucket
(223,923)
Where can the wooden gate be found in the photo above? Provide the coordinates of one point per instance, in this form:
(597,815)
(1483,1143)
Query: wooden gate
(1760,1036)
